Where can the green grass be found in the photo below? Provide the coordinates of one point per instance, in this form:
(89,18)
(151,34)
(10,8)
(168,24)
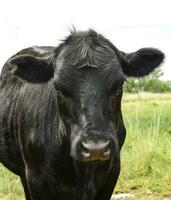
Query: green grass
(146,155)
(10,187)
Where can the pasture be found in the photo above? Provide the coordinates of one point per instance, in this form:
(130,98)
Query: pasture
(146,155)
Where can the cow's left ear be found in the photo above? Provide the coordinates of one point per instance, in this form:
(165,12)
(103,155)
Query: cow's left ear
(30,68)
(141,62)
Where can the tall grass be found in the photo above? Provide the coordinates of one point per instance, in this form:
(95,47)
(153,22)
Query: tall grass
(146,156)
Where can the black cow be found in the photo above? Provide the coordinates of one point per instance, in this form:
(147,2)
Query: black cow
(61,126)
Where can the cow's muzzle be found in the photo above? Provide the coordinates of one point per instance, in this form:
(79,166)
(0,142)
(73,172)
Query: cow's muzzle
(95,150)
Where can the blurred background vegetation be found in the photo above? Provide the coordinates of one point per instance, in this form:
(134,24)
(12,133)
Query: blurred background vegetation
(150,83)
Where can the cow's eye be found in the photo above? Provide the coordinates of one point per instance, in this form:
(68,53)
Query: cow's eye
(62,90)
(118,91)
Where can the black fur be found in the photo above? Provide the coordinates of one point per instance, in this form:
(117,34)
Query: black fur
(52,100)
(142,62)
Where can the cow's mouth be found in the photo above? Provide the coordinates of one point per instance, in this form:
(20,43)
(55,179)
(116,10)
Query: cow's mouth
(89,157)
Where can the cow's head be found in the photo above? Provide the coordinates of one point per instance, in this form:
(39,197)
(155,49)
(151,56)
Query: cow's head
(88,74)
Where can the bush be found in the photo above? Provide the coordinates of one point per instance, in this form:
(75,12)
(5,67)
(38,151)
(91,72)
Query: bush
(157,86)
(150,83)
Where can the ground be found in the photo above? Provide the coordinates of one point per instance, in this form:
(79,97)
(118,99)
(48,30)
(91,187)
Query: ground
(146,155)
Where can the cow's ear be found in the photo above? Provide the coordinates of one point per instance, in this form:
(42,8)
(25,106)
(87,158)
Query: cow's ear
(141,62)
(31,68)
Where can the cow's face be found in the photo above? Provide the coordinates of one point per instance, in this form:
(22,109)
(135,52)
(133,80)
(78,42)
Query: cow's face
(89,104)
(88,73)
(89,97)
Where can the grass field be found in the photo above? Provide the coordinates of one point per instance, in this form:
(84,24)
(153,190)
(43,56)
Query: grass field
(146,155)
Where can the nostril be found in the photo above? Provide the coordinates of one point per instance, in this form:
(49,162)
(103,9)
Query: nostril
(107,144)
(85,150)
(96,145)
(85,146)
(107,149)
(85,154)
(107,152)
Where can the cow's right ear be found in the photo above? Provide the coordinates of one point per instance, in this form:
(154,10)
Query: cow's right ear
(31,68)
(141,62)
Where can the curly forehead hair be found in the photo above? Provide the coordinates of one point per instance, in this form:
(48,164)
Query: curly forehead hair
(87,48)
